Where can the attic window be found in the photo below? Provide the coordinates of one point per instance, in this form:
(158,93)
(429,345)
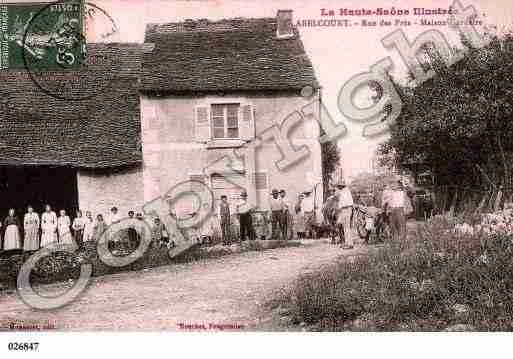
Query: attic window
(284,20)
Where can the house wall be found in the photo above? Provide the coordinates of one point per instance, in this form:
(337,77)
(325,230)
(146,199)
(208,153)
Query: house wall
(171,153)
(99,191)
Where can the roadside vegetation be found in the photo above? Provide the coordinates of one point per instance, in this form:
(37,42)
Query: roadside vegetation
(440,278)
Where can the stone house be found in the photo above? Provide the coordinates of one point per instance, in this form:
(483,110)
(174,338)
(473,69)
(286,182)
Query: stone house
(208,88)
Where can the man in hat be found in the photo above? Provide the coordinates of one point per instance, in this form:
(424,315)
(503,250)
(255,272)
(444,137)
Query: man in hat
(344,211)
(276,206)
(309,211)
(245,220)
(224,219)
(284,222)
(396,201)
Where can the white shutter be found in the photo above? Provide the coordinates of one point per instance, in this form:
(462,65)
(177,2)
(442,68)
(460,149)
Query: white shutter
(261,180)
(202,123)
(247,122)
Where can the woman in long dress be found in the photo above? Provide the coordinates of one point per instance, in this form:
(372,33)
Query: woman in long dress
(78,228)
(48,227)
(31,227)
(12,238)
(63,227)
(88,227)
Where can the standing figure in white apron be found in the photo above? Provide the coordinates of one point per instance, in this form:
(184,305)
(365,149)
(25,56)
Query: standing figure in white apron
(63,227)
(12,238)
(89,227)
(31,227)
(48,227)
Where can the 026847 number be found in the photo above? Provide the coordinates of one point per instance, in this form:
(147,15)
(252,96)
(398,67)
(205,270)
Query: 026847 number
(23,346)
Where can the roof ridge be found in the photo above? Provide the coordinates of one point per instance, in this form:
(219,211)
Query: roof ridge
(207,25)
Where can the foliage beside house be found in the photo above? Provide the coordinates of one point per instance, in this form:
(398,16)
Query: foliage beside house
(458,122)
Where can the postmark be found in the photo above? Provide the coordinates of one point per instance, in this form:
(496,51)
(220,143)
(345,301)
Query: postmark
(61,63)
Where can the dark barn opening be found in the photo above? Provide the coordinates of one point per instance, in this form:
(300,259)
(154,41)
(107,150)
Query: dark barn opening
(38,185)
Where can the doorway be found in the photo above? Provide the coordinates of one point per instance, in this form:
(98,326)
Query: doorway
(37,186)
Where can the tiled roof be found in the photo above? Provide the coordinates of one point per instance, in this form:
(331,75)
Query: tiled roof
(100,131)
(227,55)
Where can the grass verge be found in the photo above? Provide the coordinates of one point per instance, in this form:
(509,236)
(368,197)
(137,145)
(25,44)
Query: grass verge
(434,280)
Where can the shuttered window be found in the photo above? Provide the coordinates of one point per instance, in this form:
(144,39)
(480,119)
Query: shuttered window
(261,180)
(225,121)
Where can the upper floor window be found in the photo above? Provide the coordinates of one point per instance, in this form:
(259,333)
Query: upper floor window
(225,121)
(224,124)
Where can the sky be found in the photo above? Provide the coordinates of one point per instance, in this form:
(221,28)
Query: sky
(337,53)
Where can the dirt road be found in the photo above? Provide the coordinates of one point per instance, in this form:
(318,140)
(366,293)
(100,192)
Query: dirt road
(226,291)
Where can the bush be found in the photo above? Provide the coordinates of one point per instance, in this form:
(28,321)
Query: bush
(435,279)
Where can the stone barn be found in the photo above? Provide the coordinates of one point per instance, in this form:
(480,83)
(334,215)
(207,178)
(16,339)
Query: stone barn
(73,153)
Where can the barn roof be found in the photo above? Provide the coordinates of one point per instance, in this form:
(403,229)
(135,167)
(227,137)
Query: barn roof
(98,132)
(227,55)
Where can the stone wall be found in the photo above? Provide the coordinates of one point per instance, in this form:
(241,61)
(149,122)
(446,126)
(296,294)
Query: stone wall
(99,190)
(172,154)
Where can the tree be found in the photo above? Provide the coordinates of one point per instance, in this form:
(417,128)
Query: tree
(330,154)
(459,121)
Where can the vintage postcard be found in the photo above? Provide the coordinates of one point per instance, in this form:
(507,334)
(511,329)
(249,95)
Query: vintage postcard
(255,166)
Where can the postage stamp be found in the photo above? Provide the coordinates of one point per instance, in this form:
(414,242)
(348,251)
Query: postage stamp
(42,36)
(49,41)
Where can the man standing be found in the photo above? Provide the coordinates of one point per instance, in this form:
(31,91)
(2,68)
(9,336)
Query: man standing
(245,220)
(329,212)
(224,219)
(394,198)
(284,222)
(132,233)
(276,206)
(344,211)
(309,212)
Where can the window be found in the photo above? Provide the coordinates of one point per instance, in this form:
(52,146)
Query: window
(261,180)
(225,121)
(225,185)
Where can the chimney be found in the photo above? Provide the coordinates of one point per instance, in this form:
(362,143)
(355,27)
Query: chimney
(285,28)
(189,24)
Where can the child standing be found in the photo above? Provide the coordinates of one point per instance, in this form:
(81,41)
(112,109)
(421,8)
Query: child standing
(224,219)
(157,232)
(99,228)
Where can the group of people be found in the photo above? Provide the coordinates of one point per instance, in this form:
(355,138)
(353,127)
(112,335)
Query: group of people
(38,231)
(286,220)
(339,208)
